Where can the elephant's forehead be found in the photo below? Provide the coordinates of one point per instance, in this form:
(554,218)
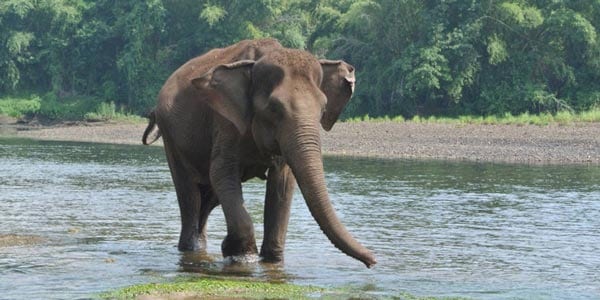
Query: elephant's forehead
(293,60)
(289,68)
(266,77)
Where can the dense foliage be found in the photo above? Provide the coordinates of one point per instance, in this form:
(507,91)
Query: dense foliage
(414,57)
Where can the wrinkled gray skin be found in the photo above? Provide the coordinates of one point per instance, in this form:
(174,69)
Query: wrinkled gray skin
(253,109)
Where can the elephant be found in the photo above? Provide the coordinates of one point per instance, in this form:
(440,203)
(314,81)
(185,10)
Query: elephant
(252,109)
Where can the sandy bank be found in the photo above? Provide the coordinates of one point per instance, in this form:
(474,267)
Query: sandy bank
(574,143)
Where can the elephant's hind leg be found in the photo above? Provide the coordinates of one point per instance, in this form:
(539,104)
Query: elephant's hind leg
(189,198)
(209,202)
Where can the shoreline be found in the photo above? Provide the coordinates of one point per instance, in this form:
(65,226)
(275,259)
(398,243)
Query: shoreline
(577,143)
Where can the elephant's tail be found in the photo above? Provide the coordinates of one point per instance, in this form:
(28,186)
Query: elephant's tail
(149,128)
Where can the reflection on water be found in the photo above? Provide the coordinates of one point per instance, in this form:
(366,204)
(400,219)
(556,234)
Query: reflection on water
(107,217)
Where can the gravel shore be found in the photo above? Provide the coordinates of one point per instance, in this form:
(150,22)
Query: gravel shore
(558,144)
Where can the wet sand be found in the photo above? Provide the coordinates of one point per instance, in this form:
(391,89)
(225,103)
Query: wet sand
(577,143)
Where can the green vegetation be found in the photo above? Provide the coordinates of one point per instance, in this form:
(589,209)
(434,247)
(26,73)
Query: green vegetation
(561,117)
(437,58)
(219,288)
(68,108)
(222,288)
(108,112)
(18,107)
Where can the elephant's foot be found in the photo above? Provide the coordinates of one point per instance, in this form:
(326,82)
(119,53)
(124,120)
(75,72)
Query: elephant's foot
(188,242)
(194,244)
(271,255)
(188,245)
(234,245)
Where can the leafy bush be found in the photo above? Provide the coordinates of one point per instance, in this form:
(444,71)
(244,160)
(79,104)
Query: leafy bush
(67,108)
(70,108)
(19,107)
(107,111)
(104,111)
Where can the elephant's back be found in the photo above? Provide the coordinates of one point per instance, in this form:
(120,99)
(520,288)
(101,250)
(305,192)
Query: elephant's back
(198,66)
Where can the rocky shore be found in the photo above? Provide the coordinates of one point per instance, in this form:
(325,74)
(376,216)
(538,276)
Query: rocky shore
(577,143)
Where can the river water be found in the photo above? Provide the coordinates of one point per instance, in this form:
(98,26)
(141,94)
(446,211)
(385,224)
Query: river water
(108,218)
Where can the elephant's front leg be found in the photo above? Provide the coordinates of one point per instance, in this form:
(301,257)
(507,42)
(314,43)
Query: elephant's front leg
(278,199)
(226,183)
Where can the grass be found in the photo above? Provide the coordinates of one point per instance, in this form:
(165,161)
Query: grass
(210,287)
(69,108)
(108,112)
(229,288)
(367,118)
(562,117)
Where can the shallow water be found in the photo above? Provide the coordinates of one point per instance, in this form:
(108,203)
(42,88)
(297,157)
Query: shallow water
(109,218)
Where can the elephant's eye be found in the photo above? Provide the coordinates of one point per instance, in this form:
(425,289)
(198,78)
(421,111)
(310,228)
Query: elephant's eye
(274,107)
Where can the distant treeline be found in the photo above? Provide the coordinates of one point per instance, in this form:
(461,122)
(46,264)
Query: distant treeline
(413,57)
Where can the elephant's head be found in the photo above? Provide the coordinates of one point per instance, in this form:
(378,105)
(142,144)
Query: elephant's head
(283,99)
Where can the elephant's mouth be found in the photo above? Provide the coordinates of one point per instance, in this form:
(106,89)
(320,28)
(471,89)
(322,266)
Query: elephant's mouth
(266,144)
(273,149)
(276,151)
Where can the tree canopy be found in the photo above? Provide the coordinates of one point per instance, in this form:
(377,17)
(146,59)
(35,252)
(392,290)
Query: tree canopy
(413,57)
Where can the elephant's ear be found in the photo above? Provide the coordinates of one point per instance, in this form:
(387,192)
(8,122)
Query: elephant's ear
(338,86)
(225,89)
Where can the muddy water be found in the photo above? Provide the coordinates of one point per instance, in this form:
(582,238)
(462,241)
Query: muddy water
(105,216)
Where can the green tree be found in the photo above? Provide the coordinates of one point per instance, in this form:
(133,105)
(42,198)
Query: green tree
(433,57)
(37,38)
(456,57)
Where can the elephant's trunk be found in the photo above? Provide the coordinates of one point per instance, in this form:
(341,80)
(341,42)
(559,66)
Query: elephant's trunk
(303,154)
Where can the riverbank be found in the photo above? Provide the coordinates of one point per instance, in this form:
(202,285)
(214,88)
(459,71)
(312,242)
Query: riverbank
(575,143)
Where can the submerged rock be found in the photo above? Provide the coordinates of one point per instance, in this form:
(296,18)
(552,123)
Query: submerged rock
(11,240)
